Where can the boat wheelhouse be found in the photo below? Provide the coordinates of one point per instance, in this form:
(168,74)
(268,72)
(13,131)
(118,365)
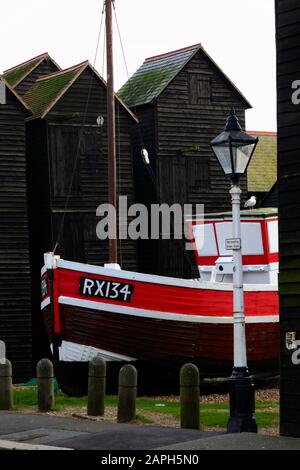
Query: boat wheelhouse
(259,246)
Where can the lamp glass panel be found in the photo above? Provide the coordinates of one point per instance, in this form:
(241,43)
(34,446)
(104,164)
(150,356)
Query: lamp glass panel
(241,157)
(223,155)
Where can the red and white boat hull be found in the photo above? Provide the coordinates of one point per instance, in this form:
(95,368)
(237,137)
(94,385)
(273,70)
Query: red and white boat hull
(131,316)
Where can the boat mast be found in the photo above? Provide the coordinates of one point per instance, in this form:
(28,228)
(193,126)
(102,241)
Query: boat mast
(111,130)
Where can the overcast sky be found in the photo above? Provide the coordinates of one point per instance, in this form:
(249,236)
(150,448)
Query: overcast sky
(238,34)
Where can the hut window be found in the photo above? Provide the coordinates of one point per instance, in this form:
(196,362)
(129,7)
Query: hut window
(2,93)
(199,89)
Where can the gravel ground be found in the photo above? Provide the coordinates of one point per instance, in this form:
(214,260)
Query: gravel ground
(271,394)
(163,419)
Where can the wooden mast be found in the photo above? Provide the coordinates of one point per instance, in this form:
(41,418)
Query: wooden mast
(111,129)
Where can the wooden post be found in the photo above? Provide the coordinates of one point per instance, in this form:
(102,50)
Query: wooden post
(45,381)
(127,394)
(96,386)
(189,397)
(111,135)
(6,388)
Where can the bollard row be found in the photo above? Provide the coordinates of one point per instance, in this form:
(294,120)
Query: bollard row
(127,391)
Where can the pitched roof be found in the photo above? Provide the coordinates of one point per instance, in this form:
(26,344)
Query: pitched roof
(18,97)
(47,90)
(151,79)
(16,74)
(262,171)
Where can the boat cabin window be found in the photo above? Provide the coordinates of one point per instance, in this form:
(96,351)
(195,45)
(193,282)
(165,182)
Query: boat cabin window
(252,243)
(205,240)
(211,238)
(273,236)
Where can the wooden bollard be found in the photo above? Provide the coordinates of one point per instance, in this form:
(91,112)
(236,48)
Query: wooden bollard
(189,397)
(6,388)
(96,386)
(127,394)
(45,381)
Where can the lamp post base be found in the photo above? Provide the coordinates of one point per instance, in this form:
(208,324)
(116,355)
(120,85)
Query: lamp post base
(242,402)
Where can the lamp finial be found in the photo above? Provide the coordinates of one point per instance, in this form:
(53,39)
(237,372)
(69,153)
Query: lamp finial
(232,122)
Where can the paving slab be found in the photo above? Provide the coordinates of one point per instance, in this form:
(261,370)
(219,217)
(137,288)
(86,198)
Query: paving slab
(90,435)
(43,435)
(11,445)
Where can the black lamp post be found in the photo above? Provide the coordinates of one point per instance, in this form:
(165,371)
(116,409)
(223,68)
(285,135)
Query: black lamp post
(234,149)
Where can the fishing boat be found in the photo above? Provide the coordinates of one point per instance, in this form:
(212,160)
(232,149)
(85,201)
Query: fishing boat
(128,316)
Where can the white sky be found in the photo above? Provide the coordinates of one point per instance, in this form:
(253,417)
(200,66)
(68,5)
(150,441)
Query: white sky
(238,34)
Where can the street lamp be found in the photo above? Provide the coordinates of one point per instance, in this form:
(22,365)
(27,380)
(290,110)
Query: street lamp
(234,149)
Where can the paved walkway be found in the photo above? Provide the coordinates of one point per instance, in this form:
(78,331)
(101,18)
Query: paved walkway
(32,431)
(83,434)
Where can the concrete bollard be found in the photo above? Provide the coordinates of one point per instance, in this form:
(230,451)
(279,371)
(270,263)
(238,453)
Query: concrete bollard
(6,388)
(45,381)
(96,386)
(127,394)
(189,397)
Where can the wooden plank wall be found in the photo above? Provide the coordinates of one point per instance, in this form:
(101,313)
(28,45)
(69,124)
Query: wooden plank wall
(15,305)
(40,238)
(177,130)
(186,127)
(69,134)
(288,56)
(146,188)
(90,182)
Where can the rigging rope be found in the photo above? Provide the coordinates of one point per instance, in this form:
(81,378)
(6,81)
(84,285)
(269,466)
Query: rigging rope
(119,162)
(78,145)
(141,140)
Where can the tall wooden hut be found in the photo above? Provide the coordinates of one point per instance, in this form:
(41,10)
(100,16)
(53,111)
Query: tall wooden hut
(17,326)
(288,53)
(15,299)
(182,100)
(67,167)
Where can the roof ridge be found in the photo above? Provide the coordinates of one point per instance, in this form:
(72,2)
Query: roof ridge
(62,72)
(168,54)
(262,132)
(26,62)
(19,98)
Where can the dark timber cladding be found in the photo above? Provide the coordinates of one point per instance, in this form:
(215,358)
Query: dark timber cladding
(182,100)
(15,305)
(67,153)
(288,56)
